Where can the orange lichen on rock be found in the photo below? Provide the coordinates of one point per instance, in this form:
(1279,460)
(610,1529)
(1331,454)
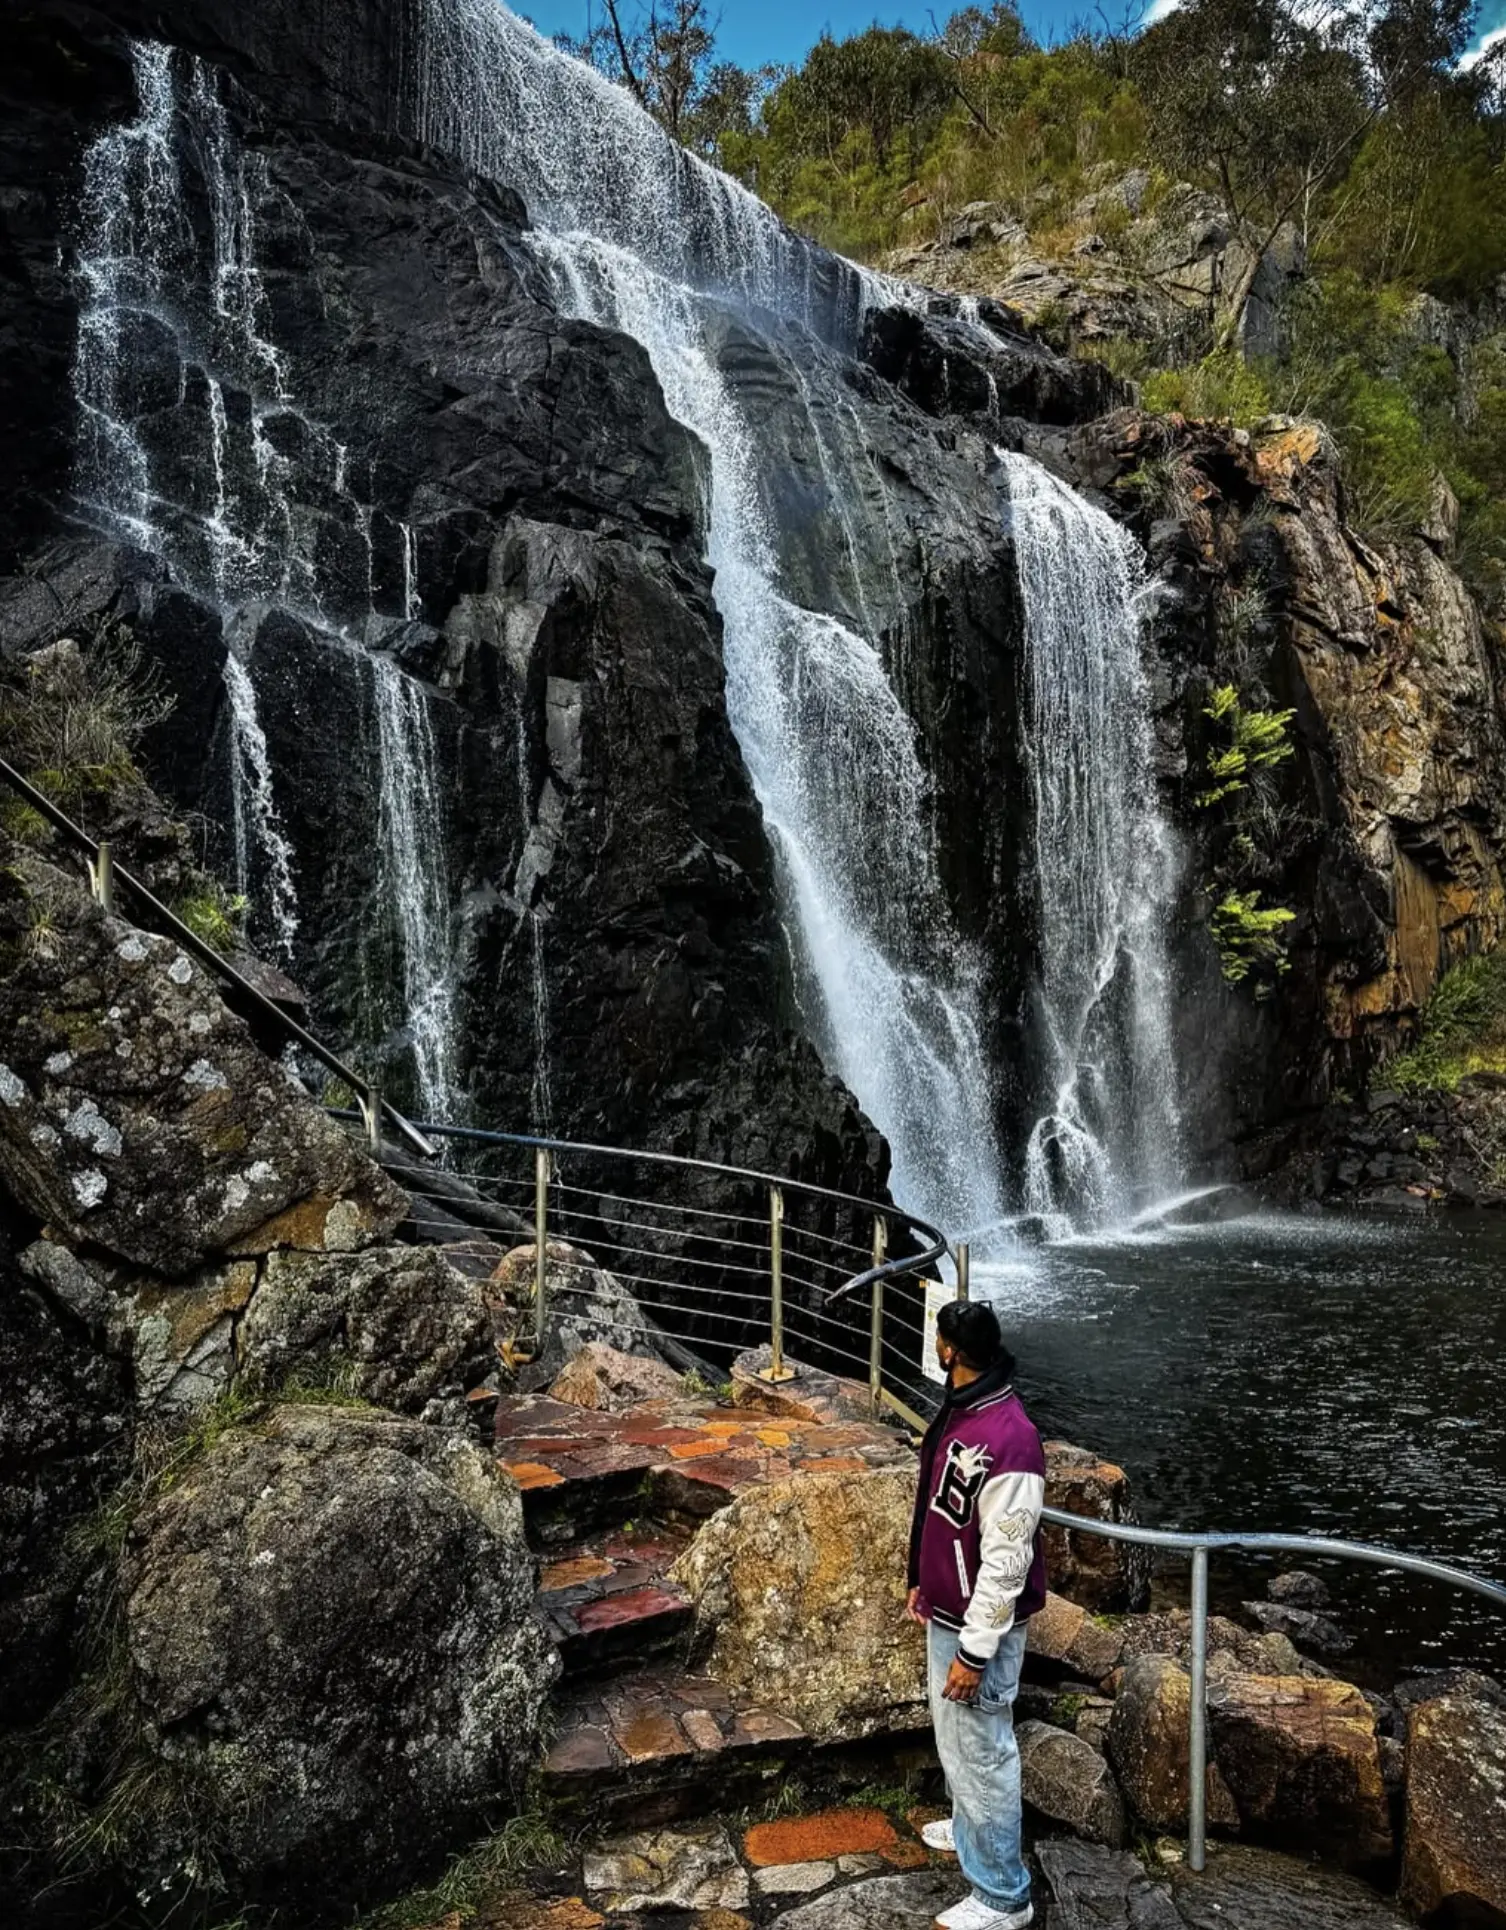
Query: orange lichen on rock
(818,1839)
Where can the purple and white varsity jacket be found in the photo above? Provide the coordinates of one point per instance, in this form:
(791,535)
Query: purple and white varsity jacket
(976,1552)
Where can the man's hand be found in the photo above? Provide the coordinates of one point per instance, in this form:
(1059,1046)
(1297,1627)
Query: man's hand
(912,1607)
(962,1683)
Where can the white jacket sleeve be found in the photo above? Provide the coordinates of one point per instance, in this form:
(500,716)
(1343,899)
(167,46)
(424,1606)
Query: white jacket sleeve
(1009,1512)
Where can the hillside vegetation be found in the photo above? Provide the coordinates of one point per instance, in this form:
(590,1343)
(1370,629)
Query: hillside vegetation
(1358,142)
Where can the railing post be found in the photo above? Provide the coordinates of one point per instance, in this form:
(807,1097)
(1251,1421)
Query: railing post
(540,1245)
(876,1330)
(963,1265)
(102,878)
(1197,1728)
(776,1369)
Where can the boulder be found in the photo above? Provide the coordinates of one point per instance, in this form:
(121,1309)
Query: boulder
(1102,1575)
(1147,1742)
(585,1303)
(1169,1632)
(1302,1626)
(332,1647)
(1454,1857)
(606,1379)
(1437,1683)
(397,1325)
(1067,1781)
(803,1584)
(1062,1631)
(1298,1589)
(1301,1762)
(121,1063)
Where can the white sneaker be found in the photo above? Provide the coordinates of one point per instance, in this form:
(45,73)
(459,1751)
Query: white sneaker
(938,1836)
(970,1914)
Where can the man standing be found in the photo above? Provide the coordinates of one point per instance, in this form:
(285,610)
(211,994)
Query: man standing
(977,1571)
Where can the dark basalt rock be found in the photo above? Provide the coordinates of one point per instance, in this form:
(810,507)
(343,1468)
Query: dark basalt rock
(285,1605)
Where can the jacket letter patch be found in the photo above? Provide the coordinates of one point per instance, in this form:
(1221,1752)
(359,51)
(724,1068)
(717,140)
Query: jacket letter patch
(962,1477)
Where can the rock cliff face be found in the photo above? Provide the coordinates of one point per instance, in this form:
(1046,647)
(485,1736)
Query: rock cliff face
(424,564)
(1381,829)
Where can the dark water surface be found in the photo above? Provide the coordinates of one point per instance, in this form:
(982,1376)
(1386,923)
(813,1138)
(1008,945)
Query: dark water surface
(1344,1376)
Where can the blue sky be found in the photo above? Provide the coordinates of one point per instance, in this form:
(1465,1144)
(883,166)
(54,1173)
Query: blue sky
(753,31)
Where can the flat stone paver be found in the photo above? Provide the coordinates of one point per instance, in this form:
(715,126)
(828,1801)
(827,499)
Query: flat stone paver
(830,1833)
(692,1868)
(550,1445)
(794,1879)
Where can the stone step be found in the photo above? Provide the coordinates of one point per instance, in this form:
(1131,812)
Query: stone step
(677,1460)
(658,1743)
(606,1598)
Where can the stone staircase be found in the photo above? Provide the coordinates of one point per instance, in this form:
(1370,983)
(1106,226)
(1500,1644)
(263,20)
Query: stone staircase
(611,1500)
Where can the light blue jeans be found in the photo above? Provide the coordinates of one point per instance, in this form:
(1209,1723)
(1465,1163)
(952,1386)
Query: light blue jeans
(975,1741)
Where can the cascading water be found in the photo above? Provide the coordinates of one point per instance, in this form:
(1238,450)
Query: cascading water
(209,475)
(1103,867)
(415,879)
(641,237)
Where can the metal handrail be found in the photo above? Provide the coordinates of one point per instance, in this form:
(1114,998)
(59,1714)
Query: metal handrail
(934,1249)
(104,874)
(1199,1547)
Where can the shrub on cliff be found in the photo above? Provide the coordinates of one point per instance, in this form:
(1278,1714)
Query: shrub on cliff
(1463,1029)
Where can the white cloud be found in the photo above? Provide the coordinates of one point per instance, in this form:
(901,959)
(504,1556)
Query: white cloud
(1497,38)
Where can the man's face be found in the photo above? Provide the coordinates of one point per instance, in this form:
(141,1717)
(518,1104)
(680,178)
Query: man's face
(945,1355)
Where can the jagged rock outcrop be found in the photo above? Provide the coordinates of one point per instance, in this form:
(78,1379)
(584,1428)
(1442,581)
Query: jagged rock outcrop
(284,1604)
(66,1430)
(123,1065)
(1129,263)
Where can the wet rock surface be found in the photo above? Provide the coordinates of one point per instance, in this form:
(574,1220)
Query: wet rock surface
(284,1604)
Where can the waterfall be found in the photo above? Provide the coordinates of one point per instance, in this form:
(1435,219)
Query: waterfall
(138,268)
(641,237)
(255,827)
(415,879)
(1103,866)
(192,445)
